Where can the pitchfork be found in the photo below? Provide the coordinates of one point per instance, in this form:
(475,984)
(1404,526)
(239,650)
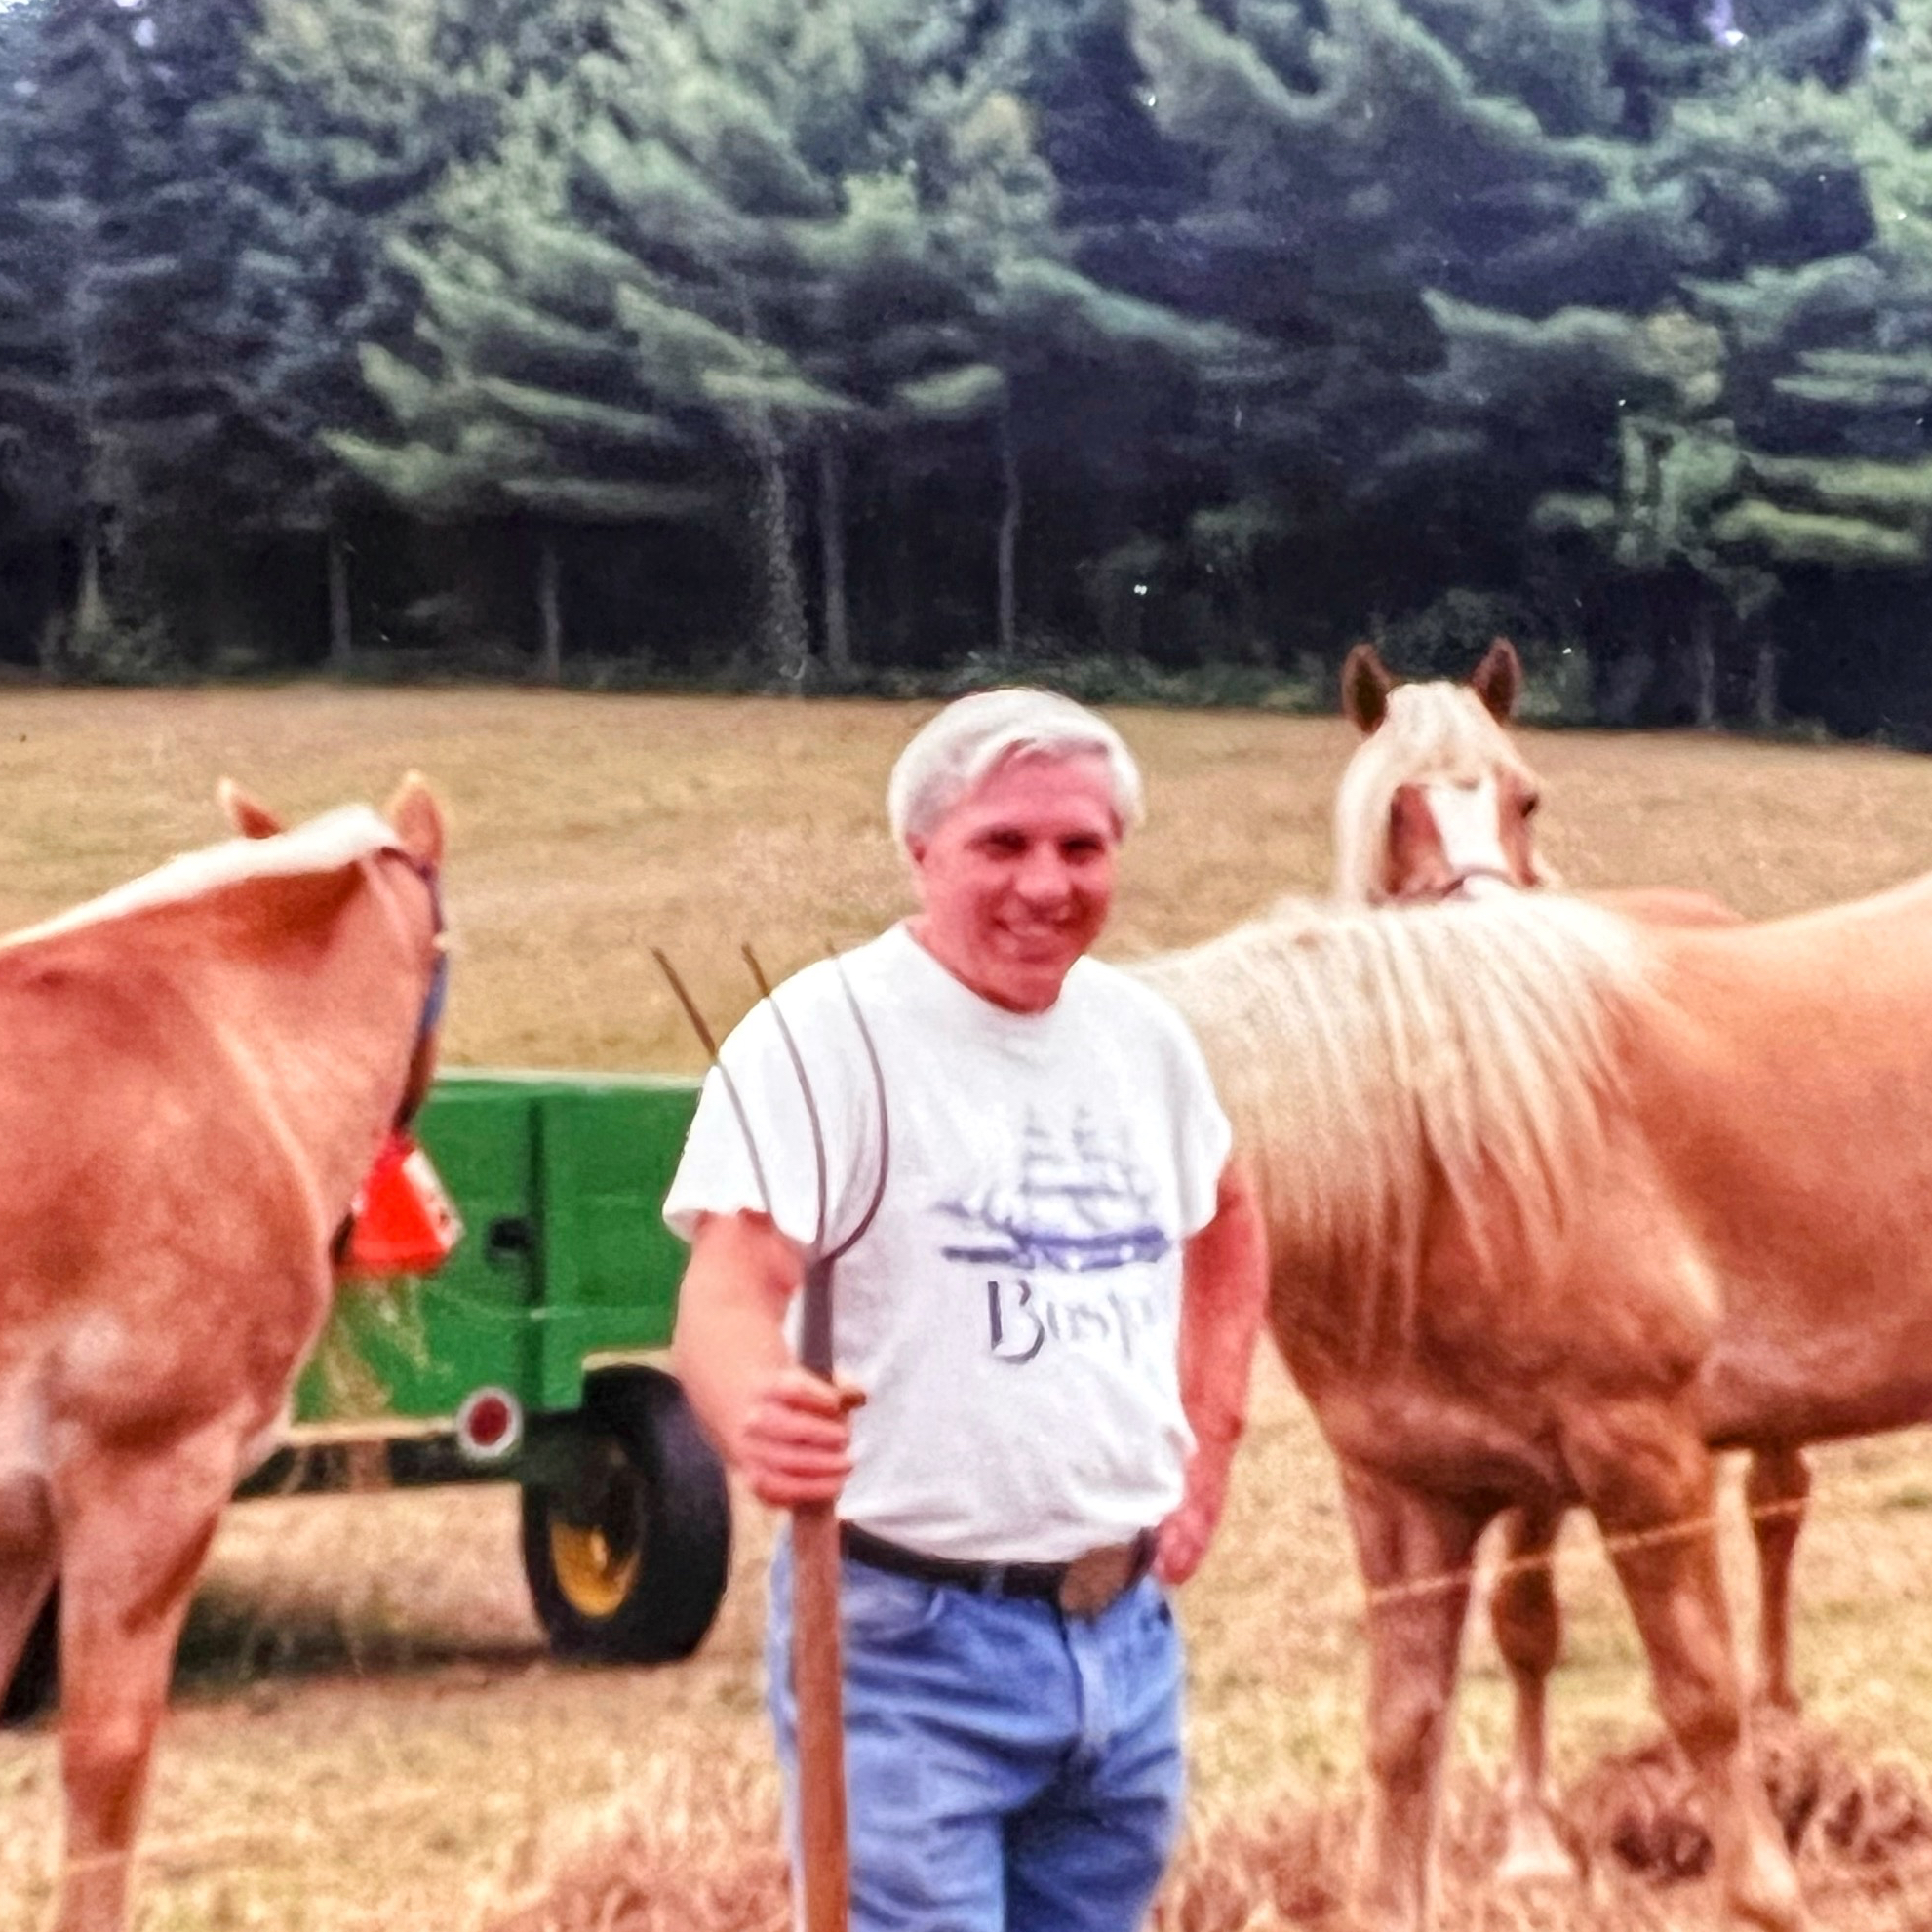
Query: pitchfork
(816,1669)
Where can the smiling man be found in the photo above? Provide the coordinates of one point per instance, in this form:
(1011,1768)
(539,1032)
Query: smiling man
(1049,1318)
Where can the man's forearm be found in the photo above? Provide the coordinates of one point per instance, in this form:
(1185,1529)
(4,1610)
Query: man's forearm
(1224,1295)
(1224,1282)
(786,1430)
(730,1340)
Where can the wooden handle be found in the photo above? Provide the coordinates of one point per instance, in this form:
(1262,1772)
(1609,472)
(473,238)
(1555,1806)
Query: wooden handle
(819,1690)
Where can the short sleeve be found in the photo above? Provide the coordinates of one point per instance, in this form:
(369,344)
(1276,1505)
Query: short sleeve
(751,1147)
(1203,1136)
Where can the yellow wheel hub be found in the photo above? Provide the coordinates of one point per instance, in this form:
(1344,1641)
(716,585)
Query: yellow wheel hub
(594,1575)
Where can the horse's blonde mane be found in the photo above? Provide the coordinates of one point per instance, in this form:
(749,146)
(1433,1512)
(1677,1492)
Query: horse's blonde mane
(1365,1055)
(324,845)
(1433,731)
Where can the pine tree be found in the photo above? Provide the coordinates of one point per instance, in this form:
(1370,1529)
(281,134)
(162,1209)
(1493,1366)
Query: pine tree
(819,234)
(1374,175)
(39,449)
(528,392)
(343,117)
(1530,246)
(119,227)
(1068,372)
(1804,459)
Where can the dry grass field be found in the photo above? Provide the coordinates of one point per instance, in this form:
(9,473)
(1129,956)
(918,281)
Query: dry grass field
(366,1730)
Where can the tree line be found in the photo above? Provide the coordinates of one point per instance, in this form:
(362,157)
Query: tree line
(848,343)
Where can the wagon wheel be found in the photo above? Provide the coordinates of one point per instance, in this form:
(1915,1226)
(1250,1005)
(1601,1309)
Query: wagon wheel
(36,1676)
(629,1560)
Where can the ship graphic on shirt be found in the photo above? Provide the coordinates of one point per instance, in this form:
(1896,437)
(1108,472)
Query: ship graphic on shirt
(1073,1204)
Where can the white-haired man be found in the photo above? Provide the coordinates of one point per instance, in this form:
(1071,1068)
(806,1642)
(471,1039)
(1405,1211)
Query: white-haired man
(1050,1319)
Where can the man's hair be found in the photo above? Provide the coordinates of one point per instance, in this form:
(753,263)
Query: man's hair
(952,754)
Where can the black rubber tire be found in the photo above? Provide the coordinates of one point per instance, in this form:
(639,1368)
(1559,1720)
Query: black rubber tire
(36,1679)
(631,1565)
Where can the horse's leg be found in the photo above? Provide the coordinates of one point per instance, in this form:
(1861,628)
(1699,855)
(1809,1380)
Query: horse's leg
(1648,1479)
(134,1531)
(1775,1489)
(1415,1556)
(1528,1628)
(29,1558)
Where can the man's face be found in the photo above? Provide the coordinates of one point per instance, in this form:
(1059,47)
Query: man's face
(1015,881)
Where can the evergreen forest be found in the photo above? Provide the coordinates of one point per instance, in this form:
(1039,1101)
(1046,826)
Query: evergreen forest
(1157,347)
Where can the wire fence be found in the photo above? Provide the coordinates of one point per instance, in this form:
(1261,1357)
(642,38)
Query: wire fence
(236,1818)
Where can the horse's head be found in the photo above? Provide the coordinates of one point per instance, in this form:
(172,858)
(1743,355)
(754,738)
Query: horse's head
(417,820)
(1437,799)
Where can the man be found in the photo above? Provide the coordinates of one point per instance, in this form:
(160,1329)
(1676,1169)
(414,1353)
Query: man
(1048,1323)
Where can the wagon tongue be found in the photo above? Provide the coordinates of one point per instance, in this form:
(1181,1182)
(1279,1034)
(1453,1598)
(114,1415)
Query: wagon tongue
(401,1222)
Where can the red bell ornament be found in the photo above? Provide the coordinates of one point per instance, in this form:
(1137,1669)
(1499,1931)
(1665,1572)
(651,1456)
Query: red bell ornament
(402,1222)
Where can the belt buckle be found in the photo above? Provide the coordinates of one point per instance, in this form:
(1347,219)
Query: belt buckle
(1098,1578)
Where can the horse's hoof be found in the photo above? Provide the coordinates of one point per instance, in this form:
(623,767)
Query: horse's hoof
(1535,1855)
(1768,1895)
(1772,1917)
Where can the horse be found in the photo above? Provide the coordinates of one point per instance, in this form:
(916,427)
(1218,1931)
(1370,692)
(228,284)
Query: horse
(1559,1201)
(199,1067)
(1438,801)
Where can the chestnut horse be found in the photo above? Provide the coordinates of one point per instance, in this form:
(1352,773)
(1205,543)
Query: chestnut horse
(1558,1202)
(1438,801)
(199,1067)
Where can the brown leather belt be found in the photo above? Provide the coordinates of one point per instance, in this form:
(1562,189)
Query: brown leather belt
(1081,1587)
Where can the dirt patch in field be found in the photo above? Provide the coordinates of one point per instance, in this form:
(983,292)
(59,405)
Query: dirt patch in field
(1862,1832)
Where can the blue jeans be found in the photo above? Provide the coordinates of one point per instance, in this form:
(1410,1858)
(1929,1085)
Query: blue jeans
(1007,1769)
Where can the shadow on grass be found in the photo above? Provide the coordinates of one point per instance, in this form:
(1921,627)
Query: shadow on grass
(233,1640)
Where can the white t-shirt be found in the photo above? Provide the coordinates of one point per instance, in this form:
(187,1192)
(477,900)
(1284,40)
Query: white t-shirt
(1012,1311)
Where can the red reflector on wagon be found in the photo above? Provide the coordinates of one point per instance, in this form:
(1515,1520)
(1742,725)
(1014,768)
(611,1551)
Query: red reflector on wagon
(489,1425)
(401,1222)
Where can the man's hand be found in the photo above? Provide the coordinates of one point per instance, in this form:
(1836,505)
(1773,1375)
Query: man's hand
(785,1428)
(795,1442)
(1182,1540)
(1224,1287)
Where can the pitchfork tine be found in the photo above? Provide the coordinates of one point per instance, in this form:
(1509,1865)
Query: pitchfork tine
(885,1115)
(759,979)
(710,1047)
(685,1000)
(812,1120)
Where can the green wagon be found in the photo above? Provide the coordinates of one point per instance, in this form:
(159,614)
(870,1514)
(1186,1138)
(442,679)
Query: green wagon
(530,1358)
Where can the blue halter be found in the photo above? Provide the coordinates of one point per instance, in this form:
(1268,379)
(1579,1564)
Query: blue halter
(435,1000)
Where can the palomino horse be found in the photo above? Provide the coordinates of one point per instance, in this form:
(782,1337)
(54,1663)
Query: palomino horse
(200,1069)
(1559,1201)
(1438,801)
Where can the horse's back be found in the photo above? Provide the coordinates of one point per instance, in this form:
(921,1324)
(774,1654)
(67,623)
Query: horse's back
(1836,973)
(1668,905)
(1786,1084)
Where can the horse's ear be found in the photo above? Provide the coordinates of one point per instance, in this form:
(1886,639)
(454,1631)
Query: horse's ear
(417,820)
(250,818)
(1366,687)
(1498,680)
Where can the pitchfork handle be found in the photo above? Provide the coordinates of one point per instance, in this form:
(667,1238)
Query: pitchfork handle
(817,1687)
